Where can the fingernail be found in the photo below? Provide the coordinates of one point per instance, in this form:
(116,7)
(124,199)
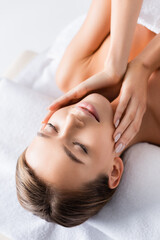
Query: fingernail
(119,148)
(117,123)
(50,106)
(42,126)
(117,137)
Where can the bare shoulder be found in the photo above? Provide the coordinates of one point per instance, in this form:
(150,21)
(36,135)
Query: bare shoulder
(151,125)
(154,95)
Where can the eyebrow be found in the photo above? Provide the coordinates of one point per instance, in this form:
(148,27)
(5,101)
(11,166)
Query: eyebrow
(66,150)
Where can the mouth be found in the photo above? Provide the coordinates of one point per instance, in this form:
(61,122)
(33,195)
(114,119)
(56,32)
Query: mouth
(89,108)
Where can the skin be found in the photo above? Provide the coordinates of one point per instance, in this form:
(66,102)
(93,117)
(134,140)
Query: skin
(74,125)
(47,158)
(94,50)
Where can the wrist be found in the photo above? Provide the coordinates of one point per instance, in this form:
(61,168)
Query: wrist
(114,70)
(140,64)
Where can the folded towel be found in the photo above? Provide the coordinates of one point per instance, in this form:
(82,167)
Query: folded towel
(134,211)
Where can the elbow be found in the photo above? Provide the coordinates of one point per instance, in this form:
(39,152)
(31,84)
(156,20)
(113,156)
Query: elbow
(62,79)
(66,80)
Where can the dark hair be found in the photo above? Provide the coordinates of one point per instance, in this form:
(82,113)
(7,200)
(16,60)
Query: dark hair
(65,207)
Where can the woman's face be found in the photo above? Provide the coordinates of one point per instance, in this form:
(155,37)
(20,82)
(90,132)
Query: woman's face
(49,154)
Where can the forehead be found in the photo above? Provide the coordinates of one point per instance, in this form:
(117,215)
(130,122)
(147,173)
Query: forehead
(50,162)
(54,166)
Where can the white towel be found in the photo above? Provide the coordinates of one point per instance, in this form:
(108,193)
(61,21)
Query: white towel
(134,211)
(149,15)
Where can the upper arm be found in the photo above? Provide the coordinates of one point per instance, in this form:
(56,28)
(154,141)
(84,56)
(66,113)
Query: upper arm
(91,34)
(94,29)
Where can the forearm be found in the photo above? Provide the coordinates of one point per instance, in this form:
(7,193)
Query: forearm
(124,15)
(150,56)
(140,67)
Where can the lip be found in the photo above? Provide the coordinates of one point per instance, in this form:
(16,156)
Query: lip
(89,108)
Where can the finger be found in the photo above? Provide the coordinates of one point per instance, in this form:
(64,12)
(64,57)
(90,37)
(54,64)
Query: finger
(46,119)
(43,126)
(127,119)
(132,130)
(66,99)
(123,102)
(70,97)
(55,103)
(96,81)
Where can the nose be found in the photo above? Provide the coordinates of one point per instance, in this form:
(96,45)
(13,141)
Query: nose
(71,123)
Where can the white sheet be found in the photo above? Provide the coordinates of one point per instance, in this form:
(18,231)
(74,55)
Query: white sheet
(133,213)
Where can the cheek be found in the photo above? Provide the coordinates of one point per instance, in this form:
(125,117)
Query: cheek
(104,141)
(97,139)
(104,150)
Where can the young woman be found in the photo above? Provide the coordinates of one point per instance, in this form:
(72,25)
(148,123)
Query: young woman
(71,169)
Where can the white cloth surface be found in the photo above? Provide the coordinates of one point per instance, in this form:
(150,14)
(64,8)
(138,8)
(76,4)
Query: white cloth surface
(134,211)
(150,15)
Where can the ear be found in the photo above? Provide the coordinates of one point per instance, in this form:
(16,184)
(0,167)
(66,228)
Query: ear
(115,173)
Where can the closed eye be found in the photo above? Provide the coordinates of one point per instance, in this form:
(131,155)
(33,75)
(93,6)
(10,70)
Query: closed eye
(75,143)
(52,126)
(82,146)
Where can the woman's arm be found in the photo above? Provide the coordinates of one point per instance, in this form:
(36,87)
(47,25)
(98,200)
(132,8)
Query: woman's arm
(87,40)
(134,91)
(140,67)
(124,15)
(109,82)
(150,56)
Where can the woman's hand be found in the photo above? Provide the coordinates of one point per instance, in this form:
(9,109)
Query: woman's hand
(132,104)
(102,82)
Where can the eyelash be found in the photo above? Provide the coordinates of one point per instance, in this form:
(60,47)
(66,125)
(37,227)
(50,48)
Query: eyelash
(52,126)
(75,143)
(82,146)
